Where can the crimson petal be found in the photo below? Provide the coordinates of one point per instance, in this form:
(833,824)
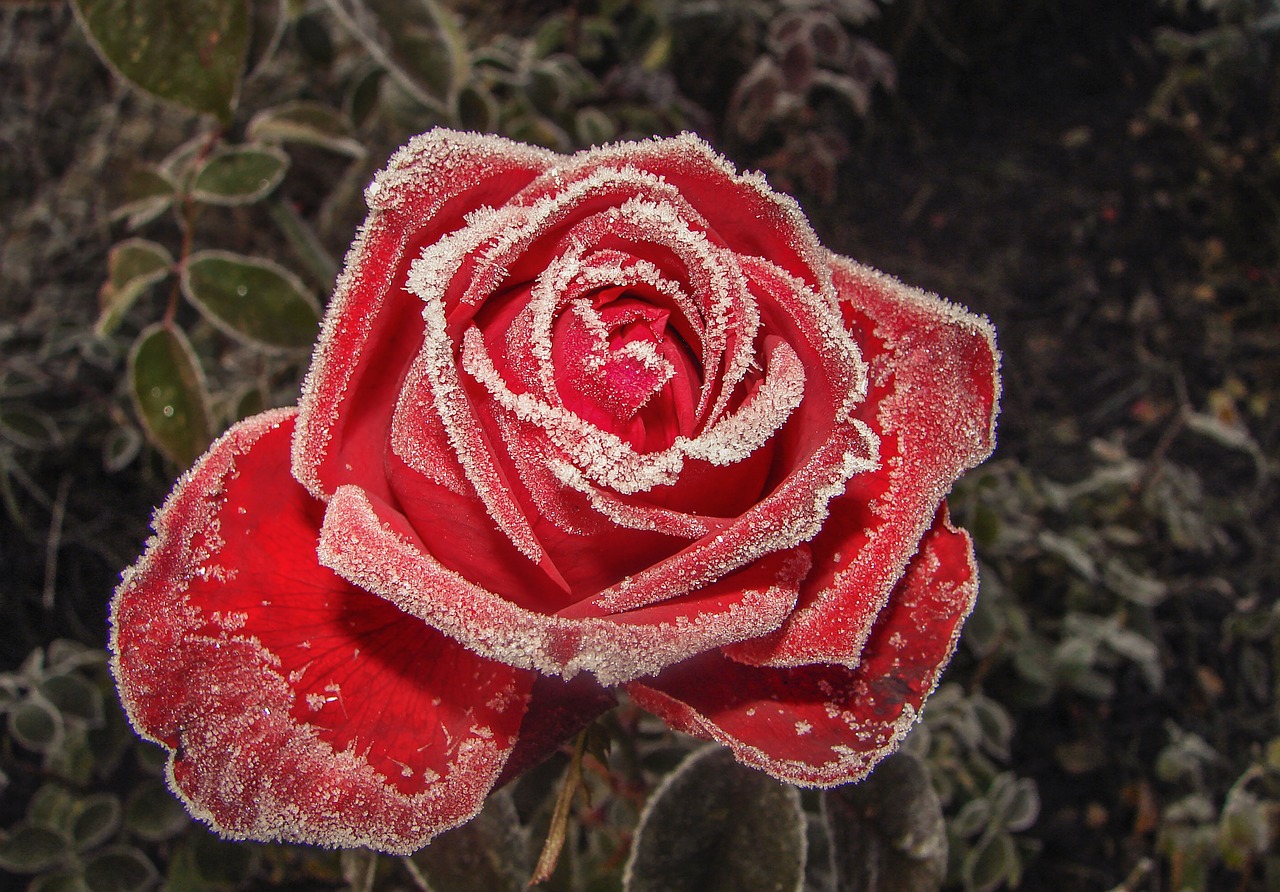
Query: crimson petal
(297,706)
(349,396)
(932,400)
(825,724)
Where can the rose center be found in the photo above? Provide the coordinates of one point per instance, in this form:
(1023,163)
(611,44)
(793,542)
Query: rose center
(621,367)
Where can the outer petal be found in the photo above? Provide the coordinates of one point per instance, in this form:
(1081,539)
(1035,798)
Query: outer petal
(932,400)
(350,393)
(297,706)
(743,212)
(372,545)
(823,725)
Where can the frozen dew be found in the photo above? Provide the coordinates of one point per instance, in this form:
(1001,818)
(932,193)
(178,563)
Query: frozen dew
(612,648)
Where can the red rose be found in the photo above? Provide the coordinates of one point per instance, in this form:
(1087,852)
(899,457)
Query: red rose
(575,424)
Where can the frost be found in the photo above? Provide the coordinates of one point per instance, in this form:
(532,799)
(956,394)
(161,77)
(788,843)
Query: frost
(613,648)
(239,758)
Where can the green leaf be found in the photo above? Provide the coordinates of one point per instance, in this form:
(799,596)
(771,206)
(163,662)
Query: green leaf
(36,725)
(201,861)
(66,655)
(119,869)
(30,849)
(97,817)
(266,29)
(145,193)
(63,881)
(154,813)
(191,53)
(477,109)
(593,127)
(169,392)
(133,266)
(51,806)
(992,863)
(234,175)
(29,428)
(310,123)
(1014,801)
(120,447)
(254,300)
(887,832)
(427,50)
(716,825)
(312,34)
(75,697)
(363,95)
(489,852)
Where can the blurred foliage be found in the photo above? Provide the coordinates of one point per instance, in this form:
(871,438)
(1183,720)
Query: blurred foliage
(1111,720)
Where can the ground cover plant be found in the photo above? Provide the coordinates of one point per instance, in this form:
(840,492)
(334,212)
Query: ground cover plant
(1101,180)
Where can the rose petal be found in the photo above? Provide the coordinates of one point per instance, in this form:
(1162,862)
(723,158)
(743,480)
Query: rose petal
(298,707)
(349,395)
(790,515)
(822,725)
(932,400)
(741,210)
(373,546)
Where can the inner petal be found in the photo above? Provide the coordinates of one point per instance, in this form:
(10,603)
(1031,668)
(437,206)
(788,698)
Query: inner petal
(607,373)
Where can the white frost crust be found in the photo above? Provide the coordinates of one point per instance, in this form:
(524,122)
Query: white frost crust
(221,744)
(791,515)
(610,461)
(875,740)
(919,478)
(438,166)
(360,547)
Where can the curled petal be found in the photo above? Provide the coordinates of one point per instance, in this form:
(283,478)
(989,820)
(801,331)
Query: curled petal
(296,706)
(824,724)
(426,192)
(933,394)
(372,545)
(741,209)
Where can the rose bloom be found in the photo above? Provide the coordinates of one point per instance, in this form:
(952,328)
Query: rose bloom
(575,426)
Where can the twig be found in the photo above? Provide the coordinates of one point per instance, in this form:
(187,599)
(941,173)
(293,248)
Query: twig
(54,541)
(560,816)
(304,241)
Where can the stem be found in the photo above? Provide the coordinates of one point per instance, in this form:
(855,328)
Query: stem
(560,815)
(187,220)
(304,242)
